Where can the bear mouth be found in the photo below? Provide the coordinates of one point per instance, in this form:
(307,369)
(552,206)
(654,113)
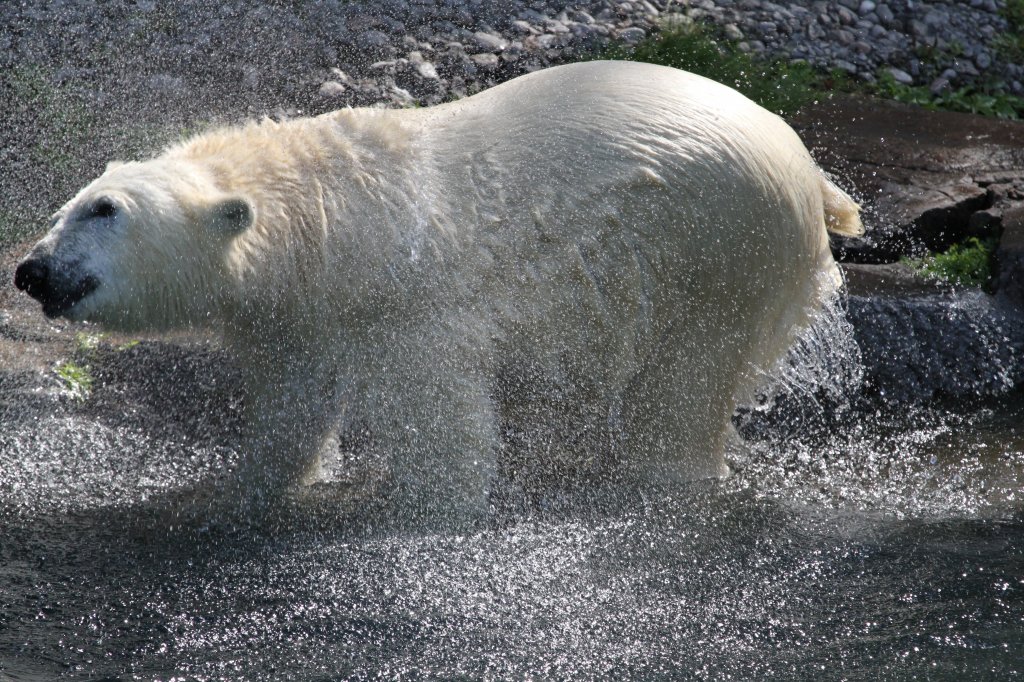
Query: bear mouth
(58,303)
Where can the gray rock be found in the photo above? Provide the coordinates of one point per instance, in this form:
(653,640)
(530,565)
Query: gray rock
(332,90)
(372,39)
(427,70)
(886,16)
(632,35)
(487,61)
(939,86)
(959,346)
(1009,260)
(846,66)
(901,76)
(489,41)
(888,280)
(522,27)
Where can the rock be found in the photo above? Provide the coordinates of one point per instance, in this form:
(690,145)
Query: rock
(939,86)
(985,224)
(332,89)
(341,76)
(901,76)
(960,346)
(1009,258)
(632,34)
(373,39)
(920,216)
(522,27)
(427,70)
(891,280)
(401,96)
(920,176)
(490,41)
(485,60)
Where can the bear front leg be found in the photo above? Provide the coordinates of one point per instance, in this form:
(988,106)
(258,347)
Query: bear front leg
(433,417)
(288,416)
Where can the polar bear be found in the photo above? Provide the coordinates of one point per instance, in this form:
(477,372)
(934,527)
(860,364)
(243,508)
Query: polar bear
(623,241)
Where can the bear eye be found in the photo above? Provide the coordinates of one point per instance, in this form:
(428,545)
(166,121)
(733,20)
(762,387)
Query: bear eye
(103,207)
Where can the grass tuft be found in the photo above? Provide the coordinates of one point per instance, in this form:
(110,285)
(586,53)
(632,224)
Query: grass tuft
(776,84)
(968,264)
(77,379)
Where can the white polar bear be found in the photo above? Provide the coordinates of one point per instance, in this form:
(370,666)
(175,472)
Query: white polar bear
(613,239)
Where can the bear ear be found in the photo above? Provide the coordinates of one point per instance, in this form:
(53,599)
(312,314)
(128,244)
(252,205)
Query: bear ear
(232,216)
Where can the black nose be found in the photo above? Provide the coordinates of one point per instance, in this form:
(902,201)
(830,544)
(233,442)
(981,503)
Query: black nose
(33,277)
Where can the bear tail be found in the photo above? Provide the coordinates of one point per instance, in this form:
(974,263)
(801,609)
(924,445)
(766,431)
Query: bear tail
(842,214)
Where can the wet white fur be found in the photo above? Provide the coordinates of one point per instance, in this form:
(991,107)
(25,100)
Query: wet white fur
(647,235)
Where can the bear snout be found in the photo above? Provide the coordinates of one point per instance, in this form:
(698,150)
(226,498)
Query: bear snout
(38,278)
(33,277)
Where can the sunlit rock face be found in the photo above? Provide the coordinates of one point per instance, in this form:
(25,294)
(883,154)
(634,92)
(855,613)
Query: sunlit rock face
(621,248)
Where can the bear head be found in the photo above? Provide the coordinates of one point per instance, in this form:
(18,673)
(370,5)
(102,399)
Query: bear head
(144,247)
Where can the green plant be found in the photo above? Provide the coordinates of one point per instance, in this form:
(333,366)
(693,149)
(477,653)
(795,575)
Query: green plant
(968,264)
(1011,44)
(77,379)
(775,84)
(86,343)
(987,100)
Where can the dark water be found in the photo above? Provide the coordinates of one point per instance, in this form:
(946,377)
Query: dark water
(891,549)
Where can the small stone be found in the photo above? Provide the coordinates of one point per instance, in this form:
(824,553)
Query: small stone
(373,38)
(733,32)
(939,86)
(555,26)
(866,7)
(885,15)
(521,27)
(427,70)
(846,66)
(633,34)
(844,37)
(331,89)
(401,96)
(489,41)
(340,76)
(900,76)
(485,60)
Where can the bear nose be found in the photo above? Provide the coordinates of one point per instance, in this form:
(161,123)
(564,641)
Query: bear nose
(32,276)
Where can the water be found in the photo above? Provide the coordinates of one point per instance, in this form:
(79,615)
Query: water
(888,545)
